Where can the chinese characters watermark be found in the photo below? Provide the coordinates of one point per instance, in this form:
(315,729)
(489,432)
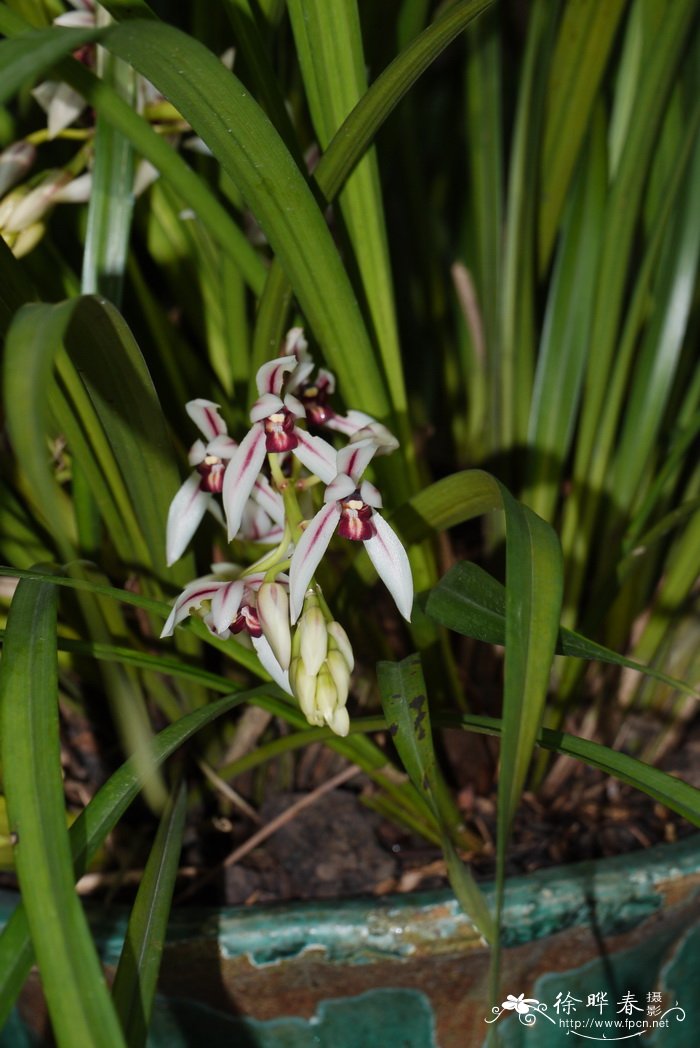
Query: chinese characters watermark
(599,1019)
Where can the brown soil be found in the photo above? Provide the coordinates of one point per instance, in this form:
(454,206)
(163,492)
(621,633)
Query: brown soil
(332,844)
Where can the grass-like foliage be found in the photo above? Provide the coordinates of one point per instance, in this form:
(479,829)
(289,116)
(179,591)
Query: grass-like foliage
(445,252)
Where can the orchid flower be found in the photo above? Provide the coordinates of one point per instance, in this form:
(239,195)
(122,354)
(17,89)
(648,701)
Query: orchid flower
(232,610)
(274,429)
(313,393)
(194,498)
(61,103)
(30,206)
(15,162)
(351,506)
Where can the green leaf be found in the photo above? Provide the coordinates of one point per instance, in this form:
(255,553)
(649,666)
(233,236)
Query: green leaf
(329,47)
(677,795)
(89,831)
(79,1005)
(470,601)
(27,56)
(28,362)
(446,503)
(584,41)
(561,358)
(513,361)
(656,361)
(621,217)
(534,582)
(359,129)
(405,703)
(251,51)
(137,972)
(112,196)
(231,123)
(113,418)
(354,137)
(485,159)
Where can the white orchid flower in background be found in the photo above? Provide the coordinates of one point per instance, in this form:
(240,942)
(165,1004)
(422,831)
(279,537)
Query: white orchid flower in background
(194,498)
(274,430)
(351,506)
(83,15)
(15,162)
(59,101)
(233,609)
(54,187)
(61,104)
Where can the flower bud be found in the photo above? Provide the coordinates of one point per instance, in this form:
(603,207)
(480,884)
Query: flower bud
(321,664)
(340,721)
(313,639)
(273,612)
(36,202)
(340,672)
(8,205)
(338,641)
(15,162)
(304,687)
(326,694)
(27,240)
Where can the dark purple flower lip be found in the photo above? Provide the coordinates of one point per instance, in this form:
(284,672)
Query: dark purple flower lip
(212,470)
(314,397)
(247,621)
(279,431)
(356,519)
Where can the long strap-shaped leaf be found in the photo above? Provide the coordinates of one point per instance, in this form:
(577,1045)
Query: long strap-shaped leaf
(585,37)
(137,972)
(79,1005)
(405,703)
(115,413)
(329,45)
(25,58)
(677,795)
(89,831)
(239,134)
(622,214)
(357,132)
(470,601)
(534,585)
(112,196)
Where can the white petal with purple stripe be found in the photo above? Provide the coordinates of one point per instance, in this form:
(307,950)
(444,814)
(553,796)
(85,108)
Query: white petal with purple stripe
(389,558)
(240,477)
(307,555)
(184,516)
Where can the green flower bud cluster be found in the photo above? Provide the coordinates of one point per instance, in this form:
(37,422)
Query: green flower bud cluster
(319,672)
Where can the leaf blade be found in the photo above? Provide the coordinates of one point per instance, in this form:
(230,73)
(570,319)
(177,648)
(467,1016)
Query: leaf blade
(79,1005)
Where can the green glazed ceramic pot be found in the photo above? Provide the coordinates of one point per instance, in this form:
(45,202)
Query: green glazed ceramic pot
(614,942)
